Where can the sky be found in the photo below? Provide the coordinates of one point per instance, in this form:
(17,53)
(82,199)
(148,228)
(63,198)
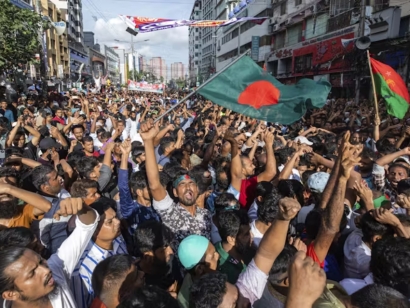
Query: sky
(101,17)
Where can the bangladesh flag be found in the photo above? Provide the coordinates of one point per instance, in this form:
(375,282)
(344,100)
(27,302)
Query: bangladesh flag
(245,88)
(392,88)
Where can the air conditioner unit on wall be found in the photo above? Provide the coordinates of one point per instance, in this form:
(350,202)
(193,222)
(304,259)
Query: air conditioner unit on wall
(273,20)
(276,27)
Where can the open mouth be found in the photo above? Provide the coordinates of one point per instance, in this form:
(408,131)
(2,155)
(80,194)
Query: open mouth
(50,280)
(189,195)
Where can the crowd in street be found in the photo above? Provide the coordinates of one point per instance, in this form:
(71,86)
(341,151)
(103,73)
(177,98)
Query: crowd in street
(108,201)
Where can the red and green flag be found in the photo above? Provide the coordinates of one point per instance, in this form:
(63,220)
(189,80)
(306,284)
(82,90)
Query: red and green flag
(246,88)
(391,87)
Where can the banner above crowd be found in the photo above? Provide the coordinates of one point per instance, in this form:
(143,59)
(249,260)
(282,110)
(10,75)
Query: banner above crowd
(146,24)
(145,87)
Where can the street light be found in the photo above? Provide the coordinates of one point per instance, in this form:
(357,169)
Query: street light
(132,52)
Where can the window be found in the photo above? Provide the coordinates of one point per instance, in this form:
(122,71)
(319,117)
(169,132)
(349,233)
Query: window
(283,8)
(298,2)
(280,40)
(235,33)
(303,63)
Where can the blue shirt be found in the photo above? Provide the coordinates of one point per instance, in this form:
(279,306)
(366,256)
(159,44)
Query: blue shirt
(131,210)
(8,114)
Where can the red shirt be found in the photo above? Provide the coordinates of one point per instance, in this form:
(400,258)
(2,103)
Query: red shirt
(59,120)
(312,253)
(97,303)
(248,192)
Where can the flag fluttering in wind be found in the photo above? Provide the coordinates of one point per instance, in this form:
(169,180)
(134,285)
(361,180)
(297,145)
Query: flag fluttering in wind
(246,88)
(391,87)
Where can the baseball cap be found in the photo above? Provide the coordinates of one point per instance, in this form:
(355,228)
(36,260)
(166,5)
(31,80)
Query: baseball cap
(48,143)
(318,181)
(403,159)
(137,151)
(191,250)
(303,140)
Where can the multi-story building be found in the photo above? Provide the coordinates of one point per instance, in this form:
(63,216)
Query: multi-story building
(57,46)
(207,67)
(238,38)
(195,45)
(113,62)
(74,19)
(158,68)
(177,71)
(23,4)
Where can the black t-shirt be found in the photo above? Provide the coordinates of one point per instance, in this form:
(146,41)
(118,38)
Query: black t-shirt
(30,151)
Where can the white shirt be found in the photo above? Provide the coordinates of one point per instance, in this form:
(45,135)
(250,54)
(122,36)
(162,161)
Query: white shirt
(252,282)
(356,256)
(64,261)
(253,211)
(81,279)
(353,285)
(295,173)
(256,234)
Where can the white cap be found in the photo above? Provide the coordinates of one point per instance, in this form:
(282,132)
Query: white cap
(303,140)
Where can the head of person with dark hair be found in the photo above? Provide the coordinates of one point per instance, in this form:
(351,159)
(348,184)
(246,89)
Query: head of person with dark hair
(269,208)
(283,155)
(248,167)
(262,190)
(149,296)
(74,158)
(374,230)
(331,148)
(384,147)
(278,275)
(46,180)
(152,244)
(139,188)
(223,180)
(292,189)
(403,187)
(390,263)
(226,202)
(115,277)
(236,242)
(138,154)
(88,145)
(21,237)
(167,146)
(78,132)
(9,175)
(89,168)
(202,177)
(85,189)
(377,296)
(25,278)
(368,156)
(396,173)
(213,291)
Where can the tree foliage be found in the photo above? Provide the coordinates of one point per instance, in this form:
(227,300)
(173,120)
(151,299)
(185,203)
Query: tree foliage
(19,39)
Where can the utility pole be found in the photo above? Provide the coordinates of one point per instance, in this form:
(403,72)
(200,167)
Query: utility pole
(360,34)
(133,59)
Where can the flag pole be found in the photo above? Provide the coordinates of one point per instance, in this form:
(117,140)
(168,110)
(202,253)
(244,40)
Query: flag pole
(202,85)
(376,103)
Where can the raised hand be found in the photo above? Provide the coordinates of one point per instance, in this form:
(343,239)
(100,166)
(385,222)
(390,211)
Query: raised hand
(403,201)
(149,131)
(288,208)
(69,206)
(307,281)
(126,147)
(385,216)
(363,191)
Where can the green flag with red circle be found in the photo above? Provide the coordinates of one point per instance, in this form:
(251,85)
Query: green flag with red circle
(246,88)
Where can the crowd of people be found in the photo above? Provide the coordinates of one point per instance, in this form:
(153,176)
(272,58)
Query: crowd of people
(107,200)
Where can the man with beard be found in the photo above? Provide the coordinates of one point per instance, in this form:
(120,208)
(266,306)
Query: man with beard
(183,218)
(152,242)
(50,231)
(236,241)
(106,241)
(27,280)
(14,215)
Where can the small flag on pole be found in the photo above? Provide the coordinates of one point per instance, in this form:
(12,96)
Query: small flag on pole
(391,87)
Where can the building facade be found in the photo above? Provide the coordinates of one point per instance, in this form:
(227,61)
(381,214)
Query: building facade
(57,46)
(177,71)
(195,46)
(113,64)
(207,67)
(158,68)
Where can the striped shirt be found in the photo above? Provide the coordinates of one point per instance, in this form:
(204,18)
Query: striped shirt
(81,279)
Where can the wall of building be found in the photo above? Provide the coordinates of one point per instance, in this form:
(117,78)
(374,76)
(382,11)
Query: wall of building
(57,46)
(195,44)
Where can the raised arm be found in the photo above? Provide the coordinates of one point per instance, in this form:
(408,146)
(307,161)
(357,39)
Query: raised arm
(35,133)
(348,158)
(40,204)
(13,132)
(274,239)
(236,164)
(270,169)
(148,133)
